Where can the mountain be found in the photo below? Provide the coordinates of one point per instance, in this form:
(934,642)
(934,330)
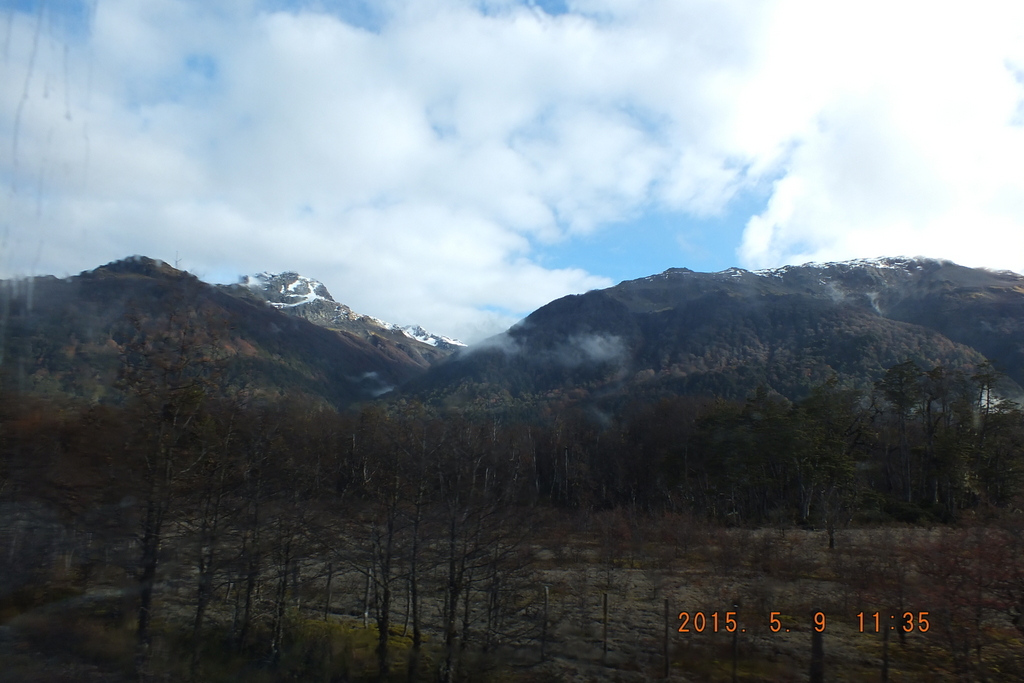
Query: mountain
(68,336)
(679,332)
(307,298)
(729,332)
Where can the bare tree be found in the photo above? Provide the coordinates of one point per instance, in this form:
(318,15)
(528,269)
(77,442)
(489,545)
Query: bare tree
(169,365)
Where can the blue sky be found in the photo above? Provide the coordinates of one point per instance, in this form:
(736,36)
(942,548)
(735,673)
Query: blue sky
(459,163)
(658,240)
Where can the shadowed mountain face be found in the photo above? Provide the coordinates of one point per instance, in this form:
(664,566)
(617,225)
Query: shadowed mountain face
(67,336)
(727,333)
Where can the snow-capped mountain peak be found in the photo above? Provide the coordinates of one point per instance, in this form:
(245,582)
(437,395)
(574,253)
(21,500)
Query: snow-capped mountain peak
(309,298)
(419,334)
(893,263)
(284,290)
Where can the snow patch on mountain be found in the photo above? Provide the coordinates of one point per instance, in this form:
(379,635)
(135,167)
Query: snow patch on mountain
(896,263)
(733,272)
(285,290)
(419,334)
(290,290)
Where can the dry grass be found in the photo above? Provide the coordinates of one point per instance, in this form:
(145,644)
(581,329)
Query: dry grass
(762,571)
(58,633)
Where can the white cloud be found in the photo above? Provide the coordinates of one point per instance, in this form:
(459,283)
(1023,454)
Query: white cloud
(418,169)
(909,142)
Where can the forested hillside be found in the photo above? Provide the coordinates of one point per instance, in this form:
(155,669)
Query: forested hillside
(726,334)
(70,337)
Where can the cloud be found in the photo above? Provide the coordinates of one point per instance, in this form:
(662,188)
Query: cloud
(912,140)
(591,348)
(503,343)
(372,384)
(578,349)
(420,163)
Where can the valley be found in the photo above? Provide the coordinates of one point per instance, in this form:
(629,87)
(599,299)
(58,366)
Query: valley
(218,484)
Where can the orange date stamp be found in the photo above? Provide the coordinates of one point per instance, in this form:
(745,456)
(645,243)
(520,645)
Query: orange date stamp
(716,622)
(908,622)
(728,622)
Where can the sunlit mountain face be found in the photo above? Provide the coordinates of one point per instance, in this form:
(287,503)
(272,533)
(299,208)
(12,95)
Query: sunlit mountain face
(308,298)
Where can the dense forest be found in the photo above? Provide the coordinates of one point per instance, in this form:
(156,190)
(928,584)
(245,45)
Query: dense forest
(206,531)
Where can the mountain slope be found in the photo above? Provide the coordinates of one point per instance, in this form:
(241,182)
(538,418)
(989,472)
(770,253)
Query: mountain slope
(726,333)
(67,336)
(307,298)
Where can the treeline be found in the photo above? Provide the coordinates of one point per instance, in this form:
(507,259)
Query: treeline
(920,446)
(923,445)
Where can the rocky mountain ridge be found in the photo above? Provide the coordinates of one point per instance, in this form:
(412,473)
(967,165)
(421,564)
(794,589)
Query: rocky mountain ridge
(309,298)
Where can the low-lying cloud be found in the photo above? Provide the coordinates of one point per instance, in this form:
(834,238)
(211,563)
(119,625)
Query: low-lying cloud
(591,348)
(574,351)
